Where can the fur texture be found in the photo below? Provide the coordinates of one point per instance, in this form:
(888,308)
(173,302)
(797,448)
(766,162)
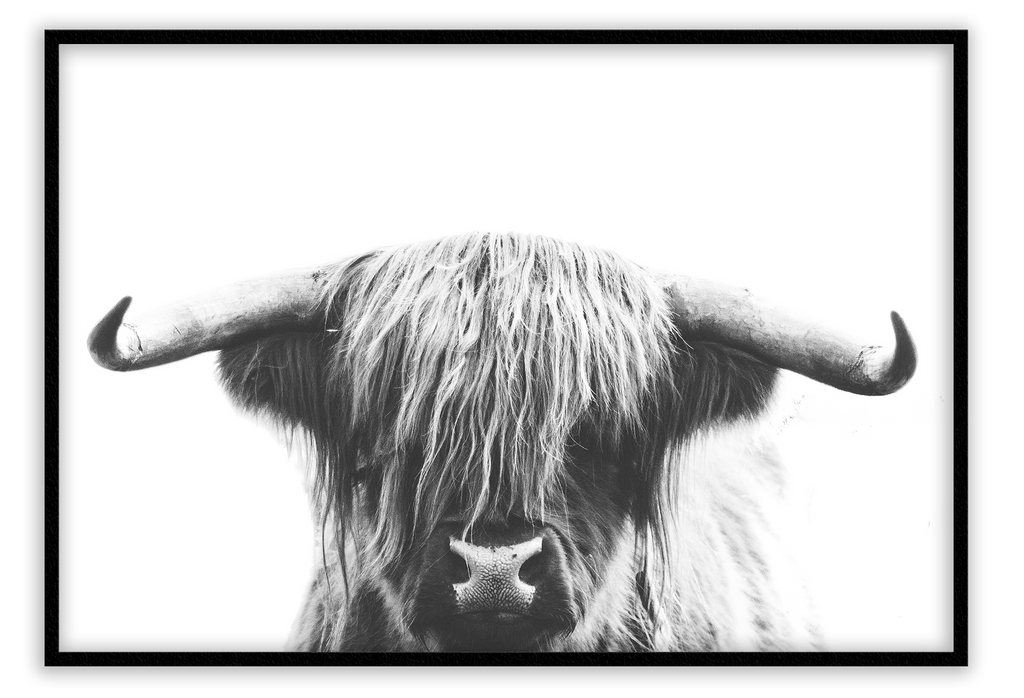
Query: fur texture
(483,378)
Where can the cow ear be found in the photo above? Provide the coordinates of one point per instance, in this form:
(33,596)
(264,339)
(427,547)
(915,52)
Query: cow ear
(279,376)
(715,383)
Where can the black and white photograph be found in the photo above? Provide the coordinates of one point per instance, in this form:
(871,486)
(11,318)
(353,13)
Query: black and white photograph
(506,346)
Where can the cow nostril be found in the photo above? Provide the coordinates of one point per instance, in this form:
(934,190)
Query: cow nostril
(532,569)
(459,567)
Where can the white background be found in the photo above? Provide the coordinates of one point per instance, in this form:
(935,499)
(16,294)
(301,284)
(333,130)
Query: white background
(817,177)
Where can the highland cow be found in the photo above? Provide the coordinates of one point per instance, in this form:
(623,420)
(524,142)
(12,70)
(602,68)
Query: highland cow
(505,433)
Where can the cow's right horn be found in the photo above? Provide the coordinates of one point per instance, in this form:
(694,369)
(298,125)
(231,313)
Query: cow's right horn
(217,320)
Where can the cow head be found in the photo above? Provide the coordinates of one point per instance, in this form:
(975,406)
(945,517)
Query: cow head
(494,423)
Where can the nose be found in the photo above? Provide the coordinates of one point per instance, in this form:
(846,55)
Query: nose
(494,583)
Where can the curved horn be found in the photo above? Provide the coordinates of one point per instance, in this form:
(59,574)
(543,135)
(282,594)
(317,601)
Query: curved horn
(704,310)
(283,303)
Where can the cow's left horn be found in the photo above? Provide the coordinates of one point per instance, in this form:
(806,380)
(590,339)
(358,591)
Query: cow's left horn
(217,320)
(732,316)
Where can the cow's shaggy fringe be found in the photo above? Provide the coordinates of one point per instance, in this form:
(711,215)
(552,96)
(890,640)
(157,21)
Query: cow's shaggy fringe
(461,378)
(469,363)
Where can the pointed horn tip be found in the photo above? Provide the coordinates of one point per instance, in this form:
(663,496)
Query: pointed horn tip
(103,339)
(900,366)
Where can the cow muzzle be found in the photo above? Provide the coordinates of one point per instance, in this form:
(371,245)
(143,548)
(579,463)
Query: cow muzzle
(494,583)
(498,589)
